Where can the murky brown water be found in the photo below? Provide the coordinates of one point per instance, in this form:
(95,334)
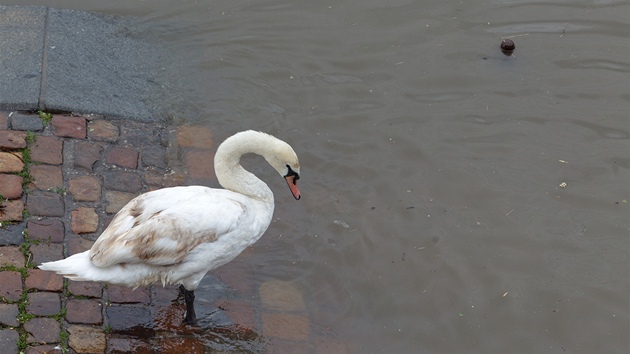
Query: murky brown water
(432,217)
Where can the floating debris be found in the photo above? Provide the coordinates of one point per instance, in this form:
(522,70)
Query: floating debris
(341,223)
(507,47)
(563,185)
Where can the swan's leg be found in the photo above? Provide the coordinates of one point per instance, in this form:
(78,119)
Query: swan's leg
(189,297)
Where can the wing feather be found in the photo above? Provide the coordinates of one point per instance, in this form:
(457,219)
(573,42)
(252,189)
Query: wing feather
(160,228)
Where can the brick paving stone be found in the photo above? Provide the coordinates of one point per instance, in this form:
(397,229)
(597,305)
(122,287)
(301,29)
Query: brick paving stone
(85,288)
(123,294)
(8,315)
(116,200)
(85,189)
(12,234)
(42,203)
(130,320)
(86,154)
(85,339)
(43,331)
(44,349)
(281,296)
(11,210)
(121,156)
(165,295)
(194,136)
(11,256)
(11,162)
(188,345)
(9,339)
(122,181)
(285,326)
(10,186)
(46,253)
(26,122)
(12,140)
(84,312)
(102,130)
(46,176)
(47,149)
(46,230)
(127,345)
(140,135)
(155,179)
(153,156)
(84,220)
(78,244)
(69,127)
(11,288)
(4,121)
(200,164)
(43,304)
(43,280)
(240,312)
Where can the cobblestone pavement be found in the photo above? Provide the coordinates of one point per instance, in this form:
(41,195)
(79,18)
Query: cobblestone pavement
(62,179)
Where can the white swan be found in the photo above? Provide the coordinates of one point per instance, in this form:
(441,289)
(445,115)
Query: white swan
(176,235)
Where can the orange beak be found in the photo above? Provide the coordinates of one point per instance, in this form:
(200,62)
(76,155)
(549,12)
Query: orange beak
(292,183)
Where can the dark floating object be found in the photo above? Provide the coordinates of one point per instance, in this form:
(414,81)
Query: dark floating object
(507,47)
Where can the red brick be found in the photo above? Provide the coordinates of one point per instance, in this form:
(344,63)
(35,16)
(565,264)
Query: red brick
(11,140)
(240,312)
(46,253)
(285,326)
(11,210)
(86,154)
(103,130)
(122,181)
(47,149)
(11,256)
(188,345)
(69,127)
(10,186)
(122,294)
(11,288)
(86,339)
(46,230)
(200,164)
(78,244)
(4,120)
(43,304)
(194,136)
(11,162)
(46,176)
(85,189)
(43,330)
(85,288)
(84,312)
(116,200)
(126,345)
(43,280)
(123,157)
(84,220)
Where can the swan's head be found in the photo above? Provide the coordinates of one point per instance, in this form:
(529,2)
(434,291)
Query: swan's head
(285,161)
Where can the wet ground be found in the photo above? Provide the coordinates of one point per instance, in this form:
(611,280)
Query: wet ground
(455,199)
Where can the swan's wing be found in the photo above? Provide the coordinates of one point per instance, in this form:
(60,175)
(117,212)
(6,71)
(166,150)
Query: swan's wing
(161,229)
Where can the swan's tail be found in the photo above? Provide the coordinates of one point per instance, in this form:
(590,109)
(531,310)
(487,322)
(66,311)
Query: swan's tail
(74,267)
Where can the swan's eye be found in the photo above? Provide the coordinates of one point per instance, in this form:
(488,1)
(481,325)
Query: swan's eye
(292,173)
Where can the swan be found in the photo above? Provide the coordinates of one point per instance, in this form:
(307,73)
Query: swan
(176,235)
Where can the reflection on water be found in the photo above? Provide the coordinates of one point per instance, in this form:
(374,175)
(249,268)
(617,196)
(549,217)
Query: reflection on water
(432,217)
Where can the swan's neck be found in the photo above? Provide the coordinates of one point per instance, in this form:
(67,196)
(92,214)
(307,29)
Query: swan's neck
(231,175)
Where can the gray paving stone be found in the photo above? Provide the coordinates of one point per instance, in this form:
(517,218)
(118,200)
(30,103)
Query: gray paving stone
(22,40)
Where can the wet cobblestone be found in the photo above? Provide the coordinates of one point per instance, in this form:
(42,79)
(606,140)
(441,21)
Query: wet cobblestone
(83,170)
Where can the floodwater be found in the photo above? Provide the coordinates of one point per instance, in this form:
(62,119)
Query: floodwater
(455,199)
